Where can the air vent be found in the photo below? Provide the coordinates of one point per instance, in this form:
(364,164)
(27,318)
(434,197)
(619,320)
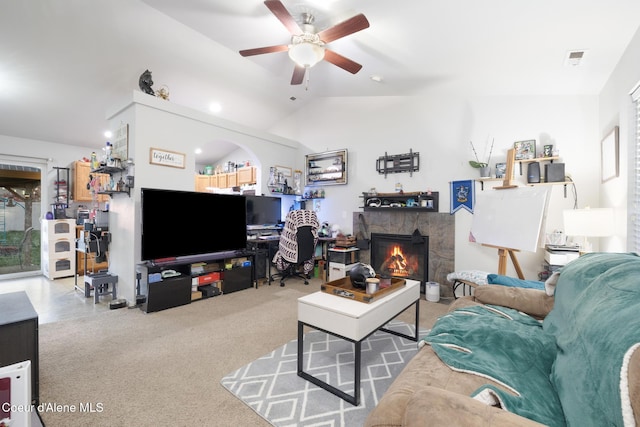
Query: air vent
(575,57)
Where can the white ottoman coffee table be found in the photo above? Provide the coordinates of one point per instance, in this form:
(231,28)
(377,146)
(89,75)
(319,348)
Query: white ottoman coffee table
(353,321)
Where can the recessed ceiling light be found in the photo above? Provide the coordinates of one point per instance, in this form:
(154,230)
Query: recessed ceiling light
(108,134)
(198,150)
(215,107)
(376,78)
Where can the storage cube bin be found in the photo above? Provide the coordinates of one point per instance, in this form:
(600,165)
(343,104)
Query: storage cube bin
(344,256)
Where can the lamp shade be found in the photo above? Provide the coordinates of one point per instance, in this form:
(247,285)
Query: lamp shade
(588,222)
(306,54)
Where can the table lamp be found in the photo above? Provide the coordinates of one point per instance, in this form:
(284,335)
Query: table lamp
(588,223)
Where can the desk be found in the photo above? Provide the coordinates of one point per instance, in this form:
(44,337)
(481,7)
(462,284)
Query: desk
(264,249)
(326,243)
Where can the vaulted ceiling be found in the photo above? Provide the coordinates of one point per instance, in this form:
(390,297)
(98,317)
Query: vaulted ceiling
(65,64)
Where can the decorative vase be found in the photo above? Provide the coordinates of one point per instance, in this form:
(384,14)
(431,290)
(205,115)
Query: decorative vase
(485,172)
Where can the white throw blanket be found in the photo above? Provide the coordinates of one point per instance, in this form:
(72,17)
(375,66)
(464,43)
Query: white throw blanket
(288,248)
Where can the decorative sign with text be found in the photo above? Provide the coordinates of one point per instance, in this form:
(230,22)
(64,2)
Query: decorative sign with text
(166,158)
(121,143)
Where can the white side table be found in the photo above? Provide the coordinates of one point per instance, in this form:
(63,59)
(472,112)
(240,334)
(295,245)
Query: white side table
(353,321)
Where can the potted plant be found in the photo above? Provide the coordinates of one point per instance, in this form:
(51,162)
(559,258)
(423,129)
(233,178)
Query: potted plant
(485,169)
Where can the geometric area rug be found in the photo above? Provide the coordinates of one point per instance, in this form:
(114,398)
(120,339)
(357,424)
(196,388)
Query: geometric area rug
(271,386)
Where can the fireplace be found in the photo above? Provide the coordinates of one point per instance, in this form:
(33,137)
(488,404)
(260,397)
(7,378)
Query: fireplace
(401,256)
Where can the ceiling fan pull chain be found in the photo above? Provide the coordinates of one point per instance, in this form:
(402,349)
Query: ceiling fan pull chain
(306,86)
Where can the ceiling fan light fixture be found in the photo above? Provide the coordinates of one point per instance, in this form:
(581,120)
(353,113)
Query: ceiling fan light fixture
(306,54)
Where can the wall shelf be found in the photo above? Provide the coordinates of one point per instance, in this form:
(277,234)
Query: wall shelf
(415,201)
(536,160)
(110,170)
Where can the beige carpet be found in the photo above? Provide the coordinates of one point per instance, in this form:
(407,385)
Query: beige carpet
(165,368)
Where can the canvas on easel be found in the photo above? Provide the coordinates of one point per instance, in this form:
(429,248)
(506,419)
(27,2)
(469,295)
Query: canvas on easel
(511,220)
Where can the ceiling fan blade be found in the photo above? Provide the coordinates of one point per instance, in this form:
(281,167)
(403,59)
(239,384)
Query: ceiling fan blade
(261,50)
(344,28)
(342,62)
(298,75)
(281,12)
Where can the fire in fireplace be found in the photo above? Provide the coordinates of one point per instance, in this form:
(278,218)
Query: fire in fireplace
(401,256)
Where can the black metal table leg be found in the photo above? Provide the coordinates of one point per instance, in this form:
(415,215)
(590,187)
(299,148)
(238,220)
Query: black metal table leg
(355,398)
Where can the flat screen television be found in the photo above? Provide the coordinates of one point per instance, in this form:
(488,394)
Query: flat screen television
(263,210)
(178,224)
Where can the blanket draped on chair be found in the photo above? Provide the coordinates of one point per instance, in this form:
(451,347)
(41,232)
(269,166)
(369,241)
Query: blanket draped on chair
(288,247)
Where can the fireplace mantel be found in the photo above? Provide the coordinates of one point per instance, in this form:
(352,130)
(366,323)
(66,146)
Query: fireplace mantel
(440,227)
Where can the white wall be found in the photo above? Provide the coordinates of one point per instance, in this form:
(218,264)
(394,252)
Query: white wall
(160,124)
(616,109)
(440,128)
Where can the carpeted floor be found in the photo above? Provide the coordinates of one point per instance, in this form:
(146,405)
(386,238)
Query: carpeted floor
(165,368)
(270,385)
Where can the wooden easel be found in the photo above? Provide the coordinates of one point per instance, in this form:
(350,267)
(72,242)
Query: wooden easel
(507,182)
(502,252)
(502,260)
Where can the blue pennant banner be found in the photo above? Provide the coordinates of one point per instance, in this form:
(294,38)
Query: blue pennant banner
(462,195)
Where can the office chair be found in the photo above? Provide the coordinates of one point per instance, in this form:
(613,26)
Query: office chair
(297,245)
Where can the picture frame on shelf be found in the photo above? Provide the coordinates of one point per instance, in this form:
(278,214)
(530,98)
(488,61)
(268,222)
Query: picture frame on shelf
(525,150)
(286,172)
(547,150)
(610,147)
(501,169)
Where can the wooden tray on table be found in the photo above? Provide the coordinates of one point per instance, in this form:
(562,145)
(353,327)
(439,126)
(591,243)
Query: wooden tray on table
(343,288)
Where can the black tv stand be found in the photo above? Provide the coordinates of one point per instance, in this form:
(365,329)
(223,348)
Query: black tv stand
(160,293)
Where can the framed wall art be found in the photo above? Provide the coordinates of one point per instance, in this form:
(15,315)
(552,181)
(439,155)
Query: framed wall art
(161,157)
(121,143)
(610,155)
(525,149)
(328,168)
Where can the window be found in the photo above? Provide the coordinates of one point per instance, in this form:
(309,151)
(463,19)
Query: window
(634,237)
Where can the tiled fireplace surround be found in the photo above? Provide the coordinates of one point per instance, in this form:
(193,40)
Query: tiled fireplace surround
(440,227)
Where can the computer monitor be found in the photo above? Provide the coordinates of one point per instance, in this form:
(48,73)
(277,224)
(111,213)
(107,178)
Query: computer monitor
(263,210)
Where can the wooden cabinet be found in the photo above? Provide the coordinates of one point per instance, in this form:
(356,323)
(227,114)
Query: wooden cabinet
(246,175)
(202,182)
(232,179)
(81,192)
(243,176)
(223,180)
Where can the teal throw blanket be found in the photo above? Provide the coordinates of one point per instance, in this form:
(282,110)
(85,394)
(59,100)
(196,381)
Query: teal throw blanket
(596,322)
(498,279)
(508,347)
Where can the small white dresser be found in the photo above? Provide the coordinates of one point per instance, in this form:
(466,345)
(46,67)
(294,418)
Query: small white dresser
(58,248)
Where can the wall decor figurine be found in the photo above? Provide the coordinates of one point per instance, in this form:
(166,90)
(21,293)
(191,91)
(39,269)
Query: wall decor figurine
(145,82)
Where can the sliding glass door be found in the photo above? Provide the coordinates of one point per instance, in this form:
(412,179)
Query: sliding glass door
(20,213)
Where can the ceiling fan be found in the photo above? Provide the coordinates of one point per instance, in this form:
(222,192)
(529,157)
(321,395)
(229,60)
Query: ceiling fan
(308,47)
